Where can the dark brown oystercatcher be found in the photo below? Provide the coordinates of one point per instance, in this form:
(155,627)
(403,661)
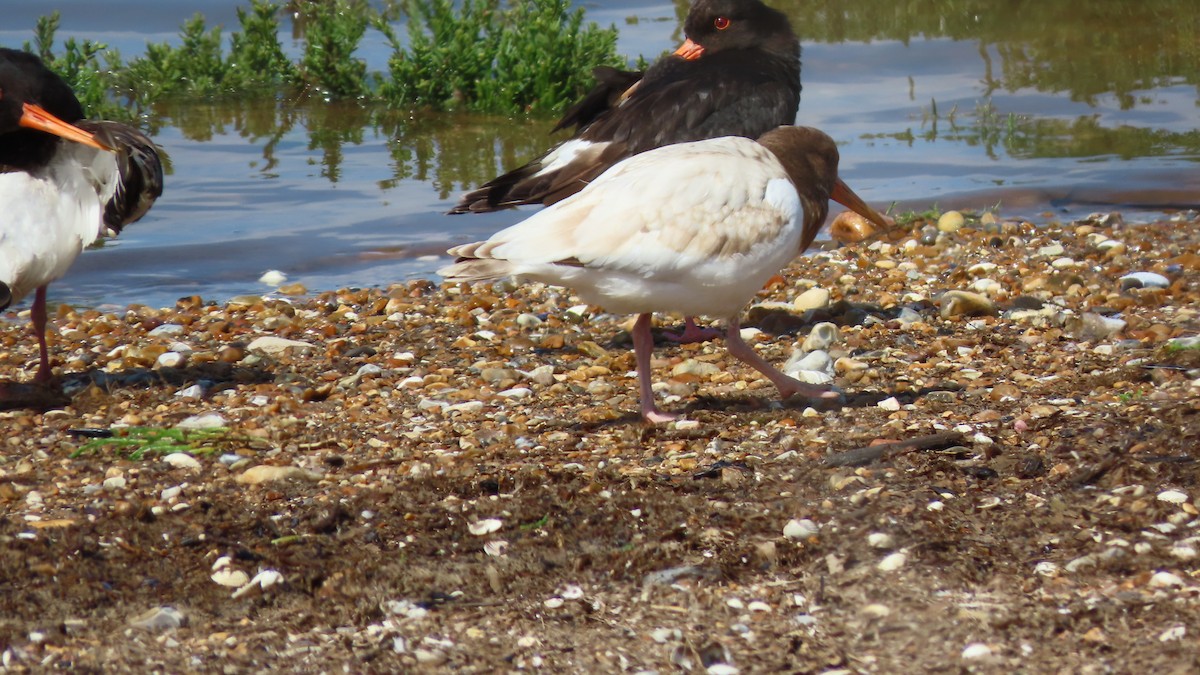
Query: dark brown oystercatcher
(695,228)
(62,185)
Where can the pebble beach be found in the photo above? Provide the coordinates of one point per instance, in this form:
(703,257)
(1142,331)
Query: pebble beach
(450,477)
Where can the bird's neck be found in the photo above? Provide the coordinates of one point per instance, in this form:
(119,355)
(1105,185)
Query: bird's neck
(26,150)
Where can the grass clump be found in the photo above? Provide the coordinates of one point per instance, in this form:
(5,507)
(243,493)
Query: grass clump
(136,443)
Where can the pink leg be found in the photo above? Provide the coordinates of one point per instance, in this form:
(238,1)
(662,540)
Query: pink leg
(38,315)
(787,386)
(643,349)
(692,333)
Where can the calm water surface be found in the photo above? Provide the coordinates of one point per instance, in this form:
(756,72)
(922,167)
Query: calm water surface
(1053,107)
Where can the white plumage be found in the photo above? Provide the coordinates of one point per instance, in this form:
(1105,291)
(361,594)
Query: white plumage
(695,228)
(686,227)
(52,214)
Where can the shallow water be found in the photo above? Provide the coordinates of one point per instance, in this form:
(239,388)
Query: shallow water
(1053,107)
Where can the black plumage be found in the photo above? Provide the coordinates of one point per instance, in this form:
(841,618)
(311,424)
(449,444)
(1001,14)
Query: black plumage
(745,82)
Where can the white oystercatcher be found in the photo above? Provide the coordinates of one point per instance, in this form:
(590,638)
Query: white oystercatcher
(737,74)
(696,228)
(64,181)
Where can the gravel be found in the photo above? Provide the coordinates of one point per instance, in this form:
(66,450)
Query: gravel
(445,478)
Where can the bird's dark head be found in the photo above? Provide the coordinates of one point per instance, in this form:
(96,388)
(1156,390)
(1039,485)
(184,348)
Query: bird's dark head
(810,158)
(25,79)
(719,25)
(6,296)
(36,109)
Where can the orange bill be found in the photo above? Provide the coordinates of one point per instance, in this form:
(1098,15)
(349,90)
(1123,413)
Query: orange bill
(843,195)
(36,117)
(689,50)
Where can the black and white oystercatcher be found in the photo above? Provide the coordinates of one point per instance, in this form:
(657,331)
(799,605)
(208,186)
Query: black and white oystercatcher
(696,228)
(737,74)
(64,181)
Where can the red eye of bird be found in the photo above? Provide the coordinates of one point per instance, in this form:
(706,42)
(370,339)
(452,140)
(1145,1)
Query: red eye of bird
(721,22)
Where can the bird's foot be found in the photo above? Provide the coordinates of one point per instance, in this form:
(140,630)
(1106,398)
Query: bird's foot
(816,395)
(693,333)
(31,395)
(655,416)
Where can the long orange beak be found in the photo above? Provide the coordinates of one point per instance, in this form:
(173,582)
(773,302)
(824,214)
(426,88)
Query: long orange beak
(36,117)
(843,195)
(689,50)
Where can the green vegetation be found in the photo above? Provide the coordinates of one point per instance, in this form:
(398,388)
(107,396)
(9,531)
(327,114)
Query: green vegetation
(1131,396)
(906,218)
(137,442)
(530,56)
(79,64)
(1183,344)
(534,57)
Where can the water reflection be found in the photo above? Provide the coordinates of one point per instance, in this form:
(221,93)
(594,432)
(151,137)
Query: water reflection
(1125,50)
(1038,105)
(1084,48)
(451,152)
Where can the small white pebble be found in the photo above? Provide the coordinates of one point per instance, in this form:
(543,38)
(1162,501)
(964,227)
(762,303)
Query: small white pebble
(1172,496)
(1183,552)
(893,562)
(890,404)
(881,540)
(1165,579)
(876,611)
(182,460)
(231,578)
(976,650)
(1176,632)
(1046,569)
(272,278)
(800,529)
(485,526)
